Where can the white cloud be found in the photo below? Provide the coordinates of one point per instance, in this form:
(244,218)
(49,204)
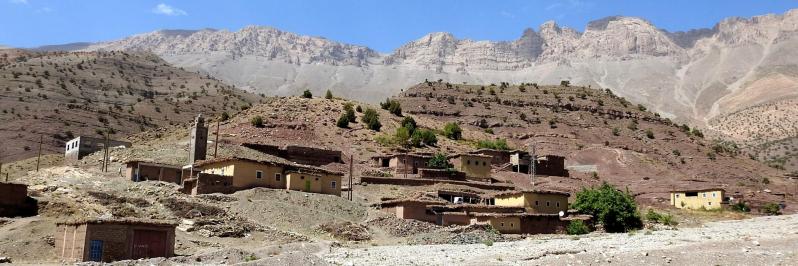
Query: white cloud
(22,2)
(507,14)
(165,9)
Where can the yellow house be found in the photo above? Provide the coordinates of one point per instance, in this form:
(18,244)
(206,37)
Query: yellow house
(709,199)
(475,166)
(249,173)
(534,201)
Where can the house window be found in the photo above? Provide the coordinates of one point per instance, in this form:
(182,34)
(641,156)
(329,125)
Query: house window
(484,163)
(96,250)
(258,174)
(677,196)
(333,184)
(537,203)
(468,162)
(713,194)
(222,171)
(558,204)
(502,224)
(317,179)
(511,225)
(302,177)
(705,194)
(547,204)
(709,203)
(277,177)
(691,194)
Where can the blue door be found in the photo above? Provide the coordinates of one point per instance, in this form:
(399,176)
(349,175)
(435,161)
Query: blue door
(96,250)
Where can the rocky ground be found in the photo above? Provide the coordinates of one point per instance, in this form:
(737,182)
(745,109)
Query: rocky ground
(758,241)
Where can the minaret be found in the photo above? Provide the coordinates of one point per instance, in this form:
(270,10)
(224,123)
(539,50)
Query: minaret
(199,140)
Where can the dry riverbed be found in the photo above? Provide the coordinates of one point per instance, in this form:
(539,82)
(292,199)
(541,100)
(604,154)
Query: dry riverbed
(759,241)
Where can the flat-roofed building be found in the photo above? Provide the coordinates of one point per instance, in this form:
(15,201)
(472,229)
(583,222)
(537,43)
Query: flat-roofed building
(79,147)
(709,198)
(534,201)
(475,166)
(139,170)
(108,240)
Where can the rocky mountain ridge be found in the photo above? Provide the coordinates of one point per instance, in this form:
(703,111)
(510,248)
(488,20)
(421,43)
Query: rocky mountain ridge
(692,76)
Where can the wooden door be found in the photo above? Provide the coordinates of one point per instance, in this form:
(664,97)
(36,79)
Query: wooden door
(149,244)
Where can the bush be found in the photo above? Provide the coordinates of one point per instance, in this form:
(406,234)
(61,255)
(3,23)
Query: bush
(307,94)
(452,131)
(328,95)
(256,121)
(771,209)
(392,106)
(498,144)
(359,109)
(372,119)
(565,83)
(439,161)
(577,227)
(655,217)
(409,123)
(649,133)
(225,116)
(343,121)
(740,207)
(616,131)
(423,137)
(349,112)
(614,209)
(402,137)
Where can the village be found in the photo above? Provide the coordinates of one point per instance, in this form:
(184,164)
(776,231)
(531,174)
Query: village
(486,201)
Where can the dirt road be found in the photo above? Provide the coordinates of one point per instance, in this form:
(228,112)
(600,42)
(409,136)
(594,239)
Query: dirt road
(758,241)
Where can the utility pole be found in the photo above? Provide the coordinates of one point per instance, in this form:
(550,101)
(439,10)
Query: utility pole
(351,168)
(39,157)
(533,159)
(216,142)
(1,160)
(105,153)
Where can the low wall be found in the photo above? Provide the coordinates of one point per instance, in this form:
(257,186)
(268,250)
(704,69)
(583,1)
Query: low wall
(427,182)
(441,174)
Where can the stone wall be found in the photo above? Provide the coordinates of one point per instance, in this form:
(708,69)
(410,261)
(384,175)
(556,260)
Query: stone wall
(427,182)
(441,174)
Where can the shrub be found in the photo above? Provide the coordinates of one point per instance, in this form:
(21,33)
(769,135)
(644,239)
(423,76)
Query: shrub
(409,123)
(452,131)
(498,144)
(349,112)
(771,209)
(632,125)
(697,133)
(402,137)
(343,121)
(359,109)
(655,217)
(439,161)
(423,137)
(616,131)
(372,119)
(307,94)
(225,116)
(740,207)
(577,227)
(649,133)
(393,106)
(256,121)
(328,95)
(565,83)
(614,209)
(765,181)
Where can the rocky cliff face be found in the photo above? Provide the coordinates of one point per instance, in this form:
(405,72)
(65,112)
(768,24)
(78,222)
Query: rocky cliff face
(689,76)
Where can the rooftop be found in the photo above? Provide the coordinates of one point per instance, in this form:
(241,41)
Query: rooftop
(271,160)
(535,191)
(126,220)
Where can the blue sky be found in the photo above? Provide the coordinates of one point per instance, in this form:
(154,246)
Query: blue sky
(381,25)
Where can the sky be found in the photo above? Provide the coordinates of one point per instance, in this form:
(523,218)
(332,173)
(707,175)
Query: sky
(381,25)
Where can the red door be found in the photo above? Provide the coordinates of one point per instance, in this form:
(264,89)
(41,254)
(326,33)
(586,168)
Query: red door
(149,244)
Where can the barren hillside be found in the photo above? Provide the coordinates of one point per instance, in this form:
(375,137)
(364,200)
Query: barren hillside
(62,95)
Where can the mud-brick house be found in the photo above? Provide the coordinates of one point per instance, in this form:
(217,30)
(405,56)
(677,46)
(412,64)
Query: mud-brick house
(14,200)
(475,166)
(521,223)
(552,165)
(81,146)
(275,173)
(415,209)
(107,240)
(498,157)
(299,154)
(709,198)
(534,201)
(404,163)
(138,170)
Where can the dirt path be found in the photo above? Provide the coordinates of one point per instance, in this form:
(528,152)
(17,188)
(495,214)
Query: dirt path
(757,241)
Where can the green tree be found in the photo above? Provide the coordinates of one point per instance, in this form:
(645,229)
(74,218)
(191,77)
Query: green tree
(328,95)
(771,209)
(225,116)
(402,137)
(393,106)
(372,119)
(452,131)
(256,121)
(343,121)
(307,94)
(439,161)
(614,209)
(565,83)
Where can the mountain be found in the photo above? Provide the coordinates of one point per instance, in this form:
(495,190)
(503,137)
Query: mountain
(56,96)
(697,76)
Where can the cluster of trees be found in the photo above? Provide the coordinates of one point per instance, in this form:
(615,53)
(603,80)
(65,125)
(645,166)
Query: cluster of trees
(452,131)
(392,106)
(410,135)
(347,117)
(497,144)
